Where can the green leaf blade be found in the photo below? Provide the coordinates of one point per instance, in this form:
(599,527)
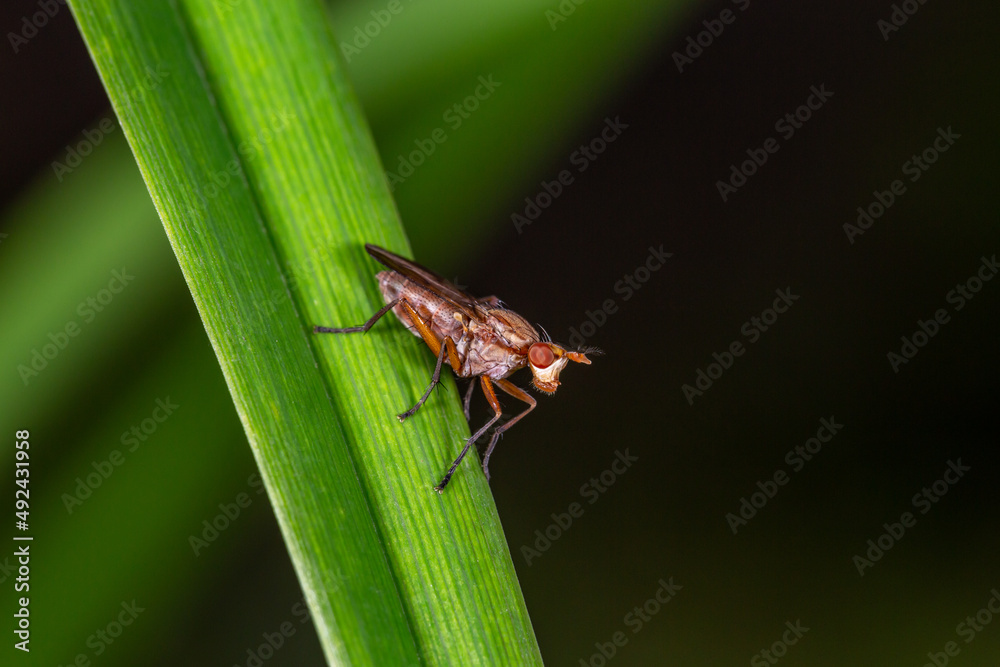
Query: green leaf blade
(446,551)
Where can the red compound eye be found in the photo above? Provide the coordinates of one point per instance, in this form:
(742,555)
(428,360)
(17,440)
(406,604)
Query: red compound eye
(540,355)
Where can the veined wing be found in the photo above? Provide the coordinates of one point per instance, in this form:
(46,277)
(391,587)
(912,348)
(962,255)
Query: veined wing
(427,279)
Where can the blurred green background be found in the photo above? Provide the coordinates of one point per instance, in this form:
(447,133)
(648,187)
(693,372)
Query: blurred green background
(130,540)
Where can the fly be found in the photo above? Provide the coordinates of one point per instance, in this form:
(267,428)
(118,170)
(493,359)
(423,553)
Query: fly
(477,337)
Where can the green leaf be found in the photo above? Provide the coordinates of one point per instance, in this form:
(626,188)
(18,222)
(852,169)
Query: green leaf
(262,169)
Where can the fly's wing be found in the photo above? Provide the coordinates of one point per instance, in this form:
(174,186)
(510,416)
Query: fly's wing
(426,278)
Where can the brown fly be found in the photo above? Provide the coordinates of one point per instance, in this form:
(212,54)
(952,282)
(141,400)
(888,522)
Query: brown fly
(476,337)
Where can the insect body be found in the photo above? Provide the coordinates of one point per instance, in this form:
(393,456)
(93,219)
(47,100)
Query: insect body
(476,337)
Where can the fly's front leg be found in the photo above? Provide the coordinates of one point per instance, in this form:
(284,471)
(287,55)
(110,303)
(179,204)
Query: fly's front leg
(495,404)
(437,348)
(362,328)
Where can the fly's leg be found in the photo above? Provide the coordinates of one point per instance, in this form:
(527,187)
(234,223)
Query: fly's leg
(362,328)
(519,394)
(495,404)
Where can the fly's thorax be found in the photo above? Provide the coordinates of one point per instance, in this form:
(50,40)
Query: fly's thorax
(512,329)
(489,354)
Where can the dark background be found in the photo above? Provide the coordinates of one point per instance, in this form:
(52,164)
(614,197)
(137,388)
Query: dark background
(825,358)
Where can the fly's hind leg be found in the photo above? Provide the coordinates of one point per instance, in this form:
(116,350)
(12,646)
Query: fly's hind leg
(361,328)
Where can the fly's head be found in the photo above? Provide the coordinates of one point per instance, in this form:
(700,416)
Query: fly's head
(547,360)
